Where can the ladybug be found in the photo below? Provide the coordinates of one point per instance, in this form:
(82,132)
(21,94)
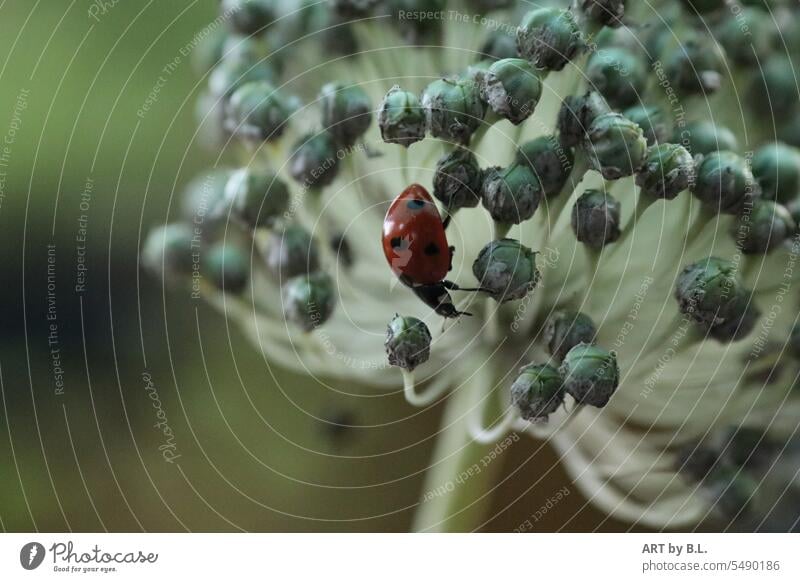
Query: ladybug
(415,245)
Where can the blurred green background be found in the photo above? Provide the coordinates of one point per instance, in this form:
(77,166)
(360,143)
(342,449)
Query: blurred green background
(257,450)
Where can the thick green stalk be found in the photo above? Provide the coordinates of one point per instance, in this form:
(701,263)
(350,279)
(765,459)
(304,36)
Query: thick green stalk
(456,493)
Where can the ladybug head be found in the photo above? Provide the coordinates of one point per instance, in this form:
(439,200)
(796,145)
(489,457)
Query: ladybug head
(437,297)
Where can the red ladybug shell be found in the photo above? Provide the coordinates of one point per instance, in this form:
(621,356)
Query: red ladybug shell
(414,240)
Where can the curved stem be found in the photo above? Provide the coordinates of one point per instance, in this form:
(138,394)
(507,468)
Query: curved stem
(421,399)
(489,436)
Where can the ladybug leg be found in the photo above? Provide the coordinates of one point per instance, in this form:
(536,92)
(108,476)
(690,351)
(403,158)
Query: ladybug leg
(452,250)
(455,287)
(446,221)
(437,297)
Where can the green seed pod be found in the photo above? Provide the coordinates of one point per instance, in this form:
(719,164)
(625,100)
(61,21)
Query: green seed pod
(655,125)
(794,341)
(747,37)
(512,89)
(248,16)
(693,66)
(203,200)
(667,171)
(709,292)
(291,252)
(724,182)
(353,8)
(168,252)
(499,45)
(346,112)
(550,160)
(309,300)
(549,38)
(230,74)
(596,219)
(537,392)
(577,114)
(733,492)
(228,267)
(738,327)
(458,179)
(763,228)
(603,12)
(506,270)
(401,118)
(315,161)
(566,329)
(256,197)
(616,146)
(408,342)
(776,167)
(591,375)
(703,137)
(453,109)
(619,74)
(512,194)
(257,112)
(775,86)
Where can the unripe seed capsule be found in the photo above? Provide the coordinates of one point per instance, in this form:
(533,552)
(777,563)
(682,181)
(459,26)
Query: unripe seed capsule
(309,300)
(401,118)
(591,375)
(408,342)
(566,329)
(346,112)
(616,146)
(291,252)
(667,171)
(537,392)
(709,292)
(506,270)
(256,197)
(596,219)
(453,109)
(549,38)
(315,161)
(764,228)
(512,89)
(512,194)
(227,266)
(458,180)
(550,160)
(724,182)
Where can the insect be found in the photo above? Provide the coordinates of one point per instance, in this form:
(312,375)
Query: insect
(415,245)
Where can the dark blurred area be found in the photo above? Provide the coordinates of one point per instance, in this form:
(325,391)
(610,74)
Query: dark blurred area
(128,406)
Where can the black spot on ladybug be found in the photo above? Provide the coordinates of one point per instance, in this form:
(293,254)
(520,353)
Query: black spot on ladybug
(396,242)
(432,249)
(416,204)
